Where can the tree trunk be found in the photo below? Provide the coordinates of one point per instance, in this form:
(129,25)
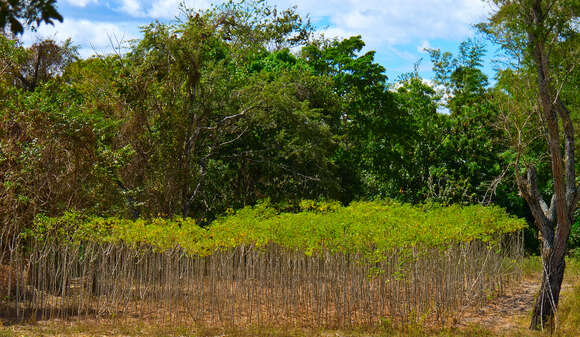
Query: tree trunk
(544,23)
(563,174)
(549,294)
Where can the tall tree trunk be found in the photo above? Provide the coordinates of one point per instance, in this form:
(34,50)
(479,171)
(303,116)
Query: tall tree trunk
(543,26)
(555,238)
(549,295)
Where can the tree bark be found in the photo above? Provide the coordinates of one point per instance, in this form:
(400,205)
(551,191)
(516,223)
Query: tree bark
(554,223)
(546,305)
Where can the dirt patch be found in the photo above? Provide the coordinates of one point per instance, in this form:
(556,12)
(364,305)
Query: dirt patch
(504,312)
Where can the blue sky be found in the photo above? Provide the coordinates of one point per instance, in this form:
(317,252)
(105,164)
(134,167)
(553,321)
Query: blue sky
(397,30)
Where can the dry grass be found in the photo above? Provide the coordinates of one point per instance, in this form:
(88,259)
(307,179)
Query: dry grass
(569,311)
(128,328)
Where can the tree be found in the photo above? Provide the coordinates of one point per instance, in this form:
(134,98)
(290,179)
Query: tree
(542,37)
(448,157)
(216,118)
(421,153)
(55,144)
(32,12)
(178,83)
(366,122)
(286,153)
(27,68)
(470,150)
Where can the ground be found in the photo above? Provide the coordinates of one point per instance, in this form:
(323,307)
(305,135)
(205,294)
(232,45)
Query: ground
(504,312)
(504,315)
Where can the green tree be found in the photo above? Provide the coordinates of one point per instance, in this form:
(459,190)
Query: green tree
(27,68)
(285,154)
(207,101)
(366,121)
(52,145)
(472,148)
(412,177)
(454,156)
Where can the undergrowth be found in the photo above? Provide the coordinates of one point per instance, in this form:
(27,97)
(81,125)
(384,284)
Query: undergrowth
(368,228)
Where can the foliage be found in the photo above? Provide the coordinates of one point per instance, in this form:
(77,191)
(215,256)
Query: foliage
(452,156)
(381,250)
(27,68)
(366,123)
(371,228)
(154,149)
(574,242)
(206,111)
(32,12)
(214,111)
(198,117)
(51,171)
(225,107)
(420,153)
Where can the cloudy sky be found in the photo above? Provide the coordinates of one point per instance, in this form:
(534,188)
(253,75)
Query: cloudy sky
(397,29)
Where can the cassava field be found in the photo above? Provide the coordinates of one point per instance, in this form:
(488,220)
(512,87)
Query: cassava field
(372,268)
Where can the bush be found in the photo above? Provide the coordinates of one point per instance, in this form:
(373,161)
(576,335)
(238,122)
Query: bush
(370,228)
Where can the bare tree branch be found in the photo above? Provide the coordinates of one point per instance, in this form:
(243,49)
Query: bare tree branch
(536,201)
(552,211)
(491,191)
(568,127)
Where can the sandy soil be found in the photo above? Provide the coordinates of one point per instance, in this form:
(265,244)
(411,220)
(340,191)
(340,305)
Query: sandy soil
(504,312)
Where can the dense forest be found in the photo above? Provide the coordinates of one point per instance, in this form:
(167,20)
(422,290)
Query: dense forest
(244,104)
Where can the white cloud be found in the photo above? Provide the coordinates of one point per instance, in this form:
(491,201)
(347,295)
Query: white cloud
(131,7)
(397,29)
(81,3)
(402,54)
(378,21)
(397,21)
(158,9)
(169,9)
(424,45)
(93,37)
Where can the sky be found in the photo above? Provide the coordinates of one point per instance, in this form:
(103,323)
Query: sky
(398,30)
